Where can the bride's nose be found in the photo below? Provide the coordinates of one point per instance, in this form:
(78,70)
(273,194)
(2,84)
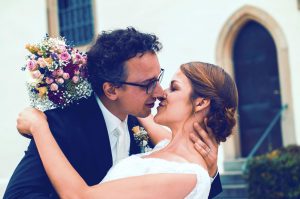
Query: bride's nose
(163,96)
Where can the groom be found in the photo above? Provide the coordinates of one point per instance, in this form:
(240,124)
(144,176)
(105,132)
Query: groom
(96,133)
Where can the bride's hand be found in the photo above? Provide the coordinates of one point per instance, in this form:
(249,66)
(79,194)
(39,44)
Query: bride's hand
(30,119)
(207,146)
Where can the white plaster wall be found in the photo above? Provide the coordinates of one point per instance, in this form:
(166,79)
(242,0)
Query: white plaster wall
(21,22)
(188,30)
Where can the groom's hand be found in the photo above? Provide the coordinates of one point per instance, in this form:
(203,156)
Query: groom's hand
(207,146)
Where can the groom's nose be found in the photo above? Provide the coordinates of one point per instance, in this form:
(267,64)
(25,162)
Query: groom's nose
(158,91)
(163,97)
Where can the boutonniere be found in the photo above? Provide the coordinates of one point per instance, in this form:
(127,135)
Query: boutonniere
(141,137)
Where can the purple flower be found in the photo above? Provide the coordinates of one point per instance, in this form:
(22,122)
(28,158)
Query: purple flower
(70,69)
(56,97)
(84,73)
(54,56)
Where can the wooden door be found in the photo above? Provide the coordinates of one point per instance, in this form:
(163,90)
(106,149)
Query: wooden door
(256,75)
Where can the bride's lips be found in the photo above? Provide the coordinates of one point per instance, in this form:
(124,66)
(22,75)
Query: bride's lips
(150,105)
(161,104)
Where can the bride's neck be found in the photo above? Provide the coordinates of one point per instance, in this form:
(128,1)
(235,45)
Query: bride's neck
(182,145)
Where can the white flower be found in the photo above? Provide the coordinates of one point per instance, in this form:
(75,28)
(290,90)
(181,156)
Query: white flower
(148,149)
(141,137)
(144,143)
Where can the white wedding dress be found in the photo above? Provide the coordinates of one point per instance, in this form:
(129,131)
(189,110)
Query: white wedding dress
(135,165)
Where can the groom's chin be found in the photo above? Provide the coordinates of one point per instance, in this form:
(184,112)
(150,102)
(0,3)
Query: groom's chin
(145,113)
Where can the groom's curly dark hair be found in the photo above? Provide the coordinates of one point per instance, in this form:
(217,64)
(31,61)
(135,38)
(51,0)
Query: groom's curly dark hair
(107,57)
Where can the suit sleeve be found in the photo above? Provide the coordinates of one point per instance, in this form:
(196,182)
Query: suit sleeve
(216,187)
(29,179)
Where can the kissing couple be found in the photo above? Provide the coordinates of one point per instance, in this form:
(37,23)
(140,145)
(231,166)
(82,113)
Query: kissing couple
(88,149)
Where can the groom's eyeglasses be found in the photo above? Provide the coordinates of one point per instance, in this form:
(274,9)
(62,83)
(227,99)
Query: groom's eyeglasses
(148,87)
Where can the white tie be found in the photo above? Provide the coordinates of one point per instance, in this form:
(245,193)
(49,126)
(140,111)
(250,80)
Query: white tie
(122,152)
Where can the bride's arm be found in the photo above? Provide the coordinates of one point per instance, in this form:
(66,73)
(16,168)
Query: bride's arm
(155,131)
(167,186)
(69,184)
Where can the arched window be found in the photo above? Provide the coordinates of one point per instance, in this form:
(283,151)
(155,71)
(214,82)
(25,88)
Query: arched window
(76,21)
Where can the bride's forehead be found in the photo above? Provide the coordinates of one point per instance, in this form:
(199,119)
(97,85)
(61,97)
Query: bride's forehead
(180,77)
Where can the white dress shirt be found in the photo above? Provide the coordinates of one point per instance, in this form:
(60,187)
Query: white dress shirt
(118,134)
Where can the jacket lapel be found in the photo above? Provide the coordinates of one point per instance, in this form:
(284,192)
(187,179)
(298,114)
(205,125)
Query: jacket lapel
(98,135)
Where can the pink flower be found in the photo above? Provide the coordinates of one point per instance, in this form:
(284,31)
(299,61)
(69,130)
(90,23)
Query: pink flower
(66,76)
(75,79)
(65,56)
(53,87)
(49,80)
(31,65)
(60,80)
(76,72)
(83,60)
(36,74)
(59,72)
(77,58)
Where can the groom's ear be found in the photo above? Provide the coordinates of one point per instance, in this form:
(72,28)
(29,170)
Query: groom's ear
(201,104)
(109,91)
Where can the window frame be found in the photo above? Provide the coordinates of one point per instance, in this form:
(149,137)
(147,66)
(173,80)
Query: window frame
(53,22)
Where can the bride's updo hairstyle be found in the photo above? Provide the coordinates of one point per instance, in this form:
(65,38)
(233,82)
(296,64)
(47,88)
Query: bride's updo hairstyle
(212,82)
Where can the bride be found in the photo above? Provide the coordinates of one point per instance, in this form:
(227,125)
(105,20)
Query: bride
(199,92)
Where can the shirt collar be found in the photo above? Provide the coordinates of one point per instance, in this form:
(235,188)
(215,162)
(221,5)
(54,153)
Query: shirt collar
(112,122)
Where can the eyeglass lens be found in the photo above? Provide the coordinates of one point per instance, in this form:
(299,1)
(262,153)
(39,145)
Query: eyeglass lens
(152,84)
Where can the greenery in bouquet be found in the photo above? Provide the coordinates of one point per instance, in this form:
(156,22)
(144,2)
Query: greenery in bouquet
(58,75)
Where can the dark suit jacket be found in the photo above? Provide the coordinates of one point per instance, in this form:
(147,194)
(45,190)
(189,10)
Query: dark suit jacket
(81,132)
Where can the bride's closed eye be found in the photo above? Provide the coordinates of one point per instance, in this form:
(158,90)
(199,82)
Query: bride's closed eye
(173,87)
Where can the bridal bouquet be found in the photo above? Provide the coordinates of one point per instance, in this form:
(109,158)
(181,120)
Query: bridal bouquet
(58,75)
